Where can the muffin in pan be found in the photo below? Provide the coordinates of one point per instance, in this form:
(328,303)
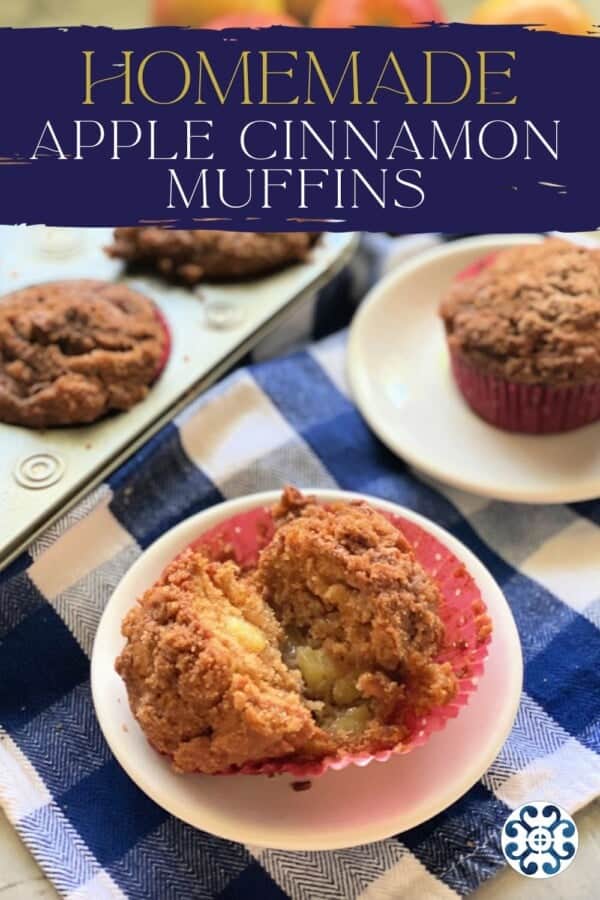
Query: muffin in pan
(523,330)
(194,256)
(330,644)
(73,351)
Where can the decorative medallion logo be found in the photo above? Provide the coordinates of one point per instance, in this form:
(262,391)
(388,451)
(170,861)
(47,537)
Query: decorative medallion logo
(539,840)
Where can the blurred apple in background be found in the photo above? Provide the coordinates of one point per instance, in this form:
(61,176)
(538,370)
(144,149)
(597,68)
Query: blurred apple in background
(567,16)
(251,20)
(198,12)
(302,9)
(340,13)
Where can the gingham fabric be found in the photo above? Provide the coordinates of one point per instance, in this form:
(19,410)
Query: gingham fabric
(285,420)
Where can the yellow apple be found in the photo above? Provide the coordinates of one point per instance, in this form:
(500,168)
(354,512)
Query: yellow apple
(198,12)
(251,20)
(567,16)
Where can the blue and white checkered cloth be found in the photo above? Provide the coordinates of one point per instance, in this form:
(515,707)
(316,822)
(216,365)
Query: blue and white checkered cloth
(285,420)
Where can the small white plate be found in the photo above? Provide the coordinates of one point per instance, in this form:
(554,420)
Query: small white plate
(399,373)
(342,809)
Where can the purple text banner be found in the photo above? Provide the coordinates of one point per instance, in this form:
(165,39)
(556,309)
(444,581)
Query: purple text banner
(448,128)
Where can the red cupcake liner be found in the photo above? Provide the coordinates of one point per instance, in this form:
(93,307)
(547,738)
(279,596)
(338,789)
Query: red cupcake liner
(463,612)
(515,406)
(525,408)
(166,353)
(476,267)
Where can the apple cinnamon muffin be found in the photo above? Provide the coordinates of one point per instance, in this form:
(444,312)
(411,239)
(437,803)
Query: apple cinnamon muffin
(194,256)
(523,331)
(72,351)
(327,646)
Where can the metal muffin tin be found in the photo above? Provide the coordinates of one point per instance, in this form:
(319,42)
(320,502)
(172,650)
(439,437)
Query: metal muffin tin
(213,326)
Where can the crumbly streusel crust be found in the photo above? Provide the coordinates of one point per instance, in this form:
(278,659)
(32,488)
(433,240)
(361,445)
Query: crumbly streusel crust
(72,351)
(194,256)
(348,579)
(199,696)
(532,315)
(207,664)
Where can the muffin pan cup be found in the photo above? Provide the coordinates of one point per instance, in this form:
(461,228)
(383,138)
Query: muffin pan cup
(204,344)
(164,322)
(468,632)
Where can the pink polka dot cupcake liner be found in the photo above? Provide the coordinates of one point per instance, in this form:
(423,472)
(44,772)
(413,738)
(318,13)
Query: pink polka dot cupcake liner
(468,631)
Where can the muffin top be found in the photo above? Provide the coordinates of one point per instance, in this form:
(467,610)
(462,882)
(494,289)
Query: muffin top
(323,648)
(203,255)
(348,579)
(72,351)
(204,674)
(531,315)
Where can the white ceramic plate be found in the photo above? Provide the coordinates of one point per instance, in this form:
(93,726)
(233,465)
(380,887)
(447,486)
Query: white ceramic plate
(342,809)
(399,373)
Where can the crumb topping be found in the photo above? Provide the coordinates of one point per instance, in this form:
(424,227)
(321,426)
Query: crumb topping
(204,674)
(532,315)
(193,256)
(71,351)
(323,648)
